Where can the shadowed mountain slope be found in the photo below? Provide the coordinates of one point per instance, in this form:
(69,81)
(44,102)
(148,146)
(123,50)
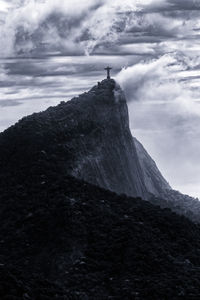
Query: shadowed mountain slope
(62,238)
(88,136)
(153,179)
(160,192)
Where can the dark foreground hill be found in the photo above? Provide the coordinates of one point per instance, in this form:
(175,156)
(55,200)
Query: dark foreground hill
(62,238)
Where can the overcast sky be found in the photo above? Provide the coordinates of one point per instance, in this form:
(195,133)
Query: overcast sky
(52,50)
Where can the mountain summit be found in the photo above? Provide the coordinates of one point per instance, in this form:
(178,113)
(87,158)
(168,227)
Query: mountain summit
(89,138)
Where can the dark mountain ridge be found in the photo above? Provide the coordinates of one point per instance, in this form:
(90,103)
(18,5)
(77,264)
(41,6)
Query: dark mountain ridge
(63,238)
(161,193)
(89,138)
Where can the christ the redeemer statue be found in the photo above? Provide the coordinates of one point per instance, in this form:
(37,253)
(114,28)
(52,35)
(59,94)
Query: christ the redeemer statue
(108,72)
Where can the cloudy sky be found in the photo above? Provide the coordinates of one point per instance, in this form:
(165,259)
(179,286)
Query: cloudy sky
(52,50)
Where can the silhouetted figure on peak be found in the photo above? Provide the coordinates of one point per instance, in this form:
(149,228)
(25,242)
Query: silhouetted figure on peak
(108,71)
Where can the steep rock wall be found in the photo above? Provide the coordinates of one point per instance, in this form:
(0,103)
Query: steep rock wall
(87,137)
(154,181)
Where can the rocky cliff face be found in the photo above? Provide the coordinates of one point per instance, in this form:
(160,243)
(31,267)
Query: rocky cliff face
(160,192)
(108,157)
(88,137)
(154,181)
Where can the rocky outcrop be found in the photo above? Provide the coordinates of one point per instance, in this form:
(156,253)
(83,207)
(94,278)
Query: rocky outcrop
(108,157)
(89,137)
(161,193)
(154,181)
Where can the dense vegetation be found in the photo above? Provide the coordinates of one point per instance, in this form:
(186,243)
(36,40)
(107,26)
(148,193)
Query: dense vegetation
(179,203)
(65,239)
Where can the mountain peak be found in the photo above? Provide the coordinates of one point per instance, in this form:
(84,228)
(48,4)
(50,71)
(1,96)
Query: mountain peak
(87,137)
(108,91)
(107,84)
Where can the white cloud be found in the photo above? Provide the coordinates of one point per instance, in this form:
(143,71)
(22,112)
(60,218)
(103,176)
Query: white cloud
(28,18)
(4,6)
(164,114)
(158,81)
(86,24)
